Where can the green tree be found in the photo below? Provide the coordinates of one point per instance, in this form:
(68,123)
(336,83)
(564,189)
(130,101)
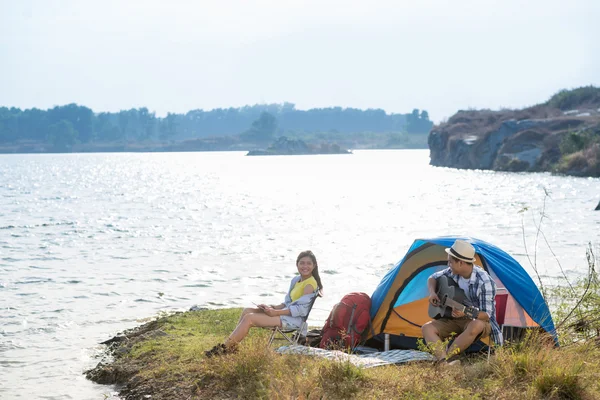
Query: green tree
(105,128)
(124,124)
(80,117)
(418,122)
(9,127)
(62,136)
(168,126)
(147,122)
(262,130)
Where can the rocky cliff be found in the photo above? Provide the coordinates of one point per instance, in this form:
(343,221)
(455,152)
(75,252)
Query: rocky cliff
(560,135)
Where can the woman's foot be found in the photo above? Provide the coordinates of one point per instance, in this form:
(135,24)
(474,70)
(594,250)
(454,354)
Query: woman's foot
(216,351)
(220,349)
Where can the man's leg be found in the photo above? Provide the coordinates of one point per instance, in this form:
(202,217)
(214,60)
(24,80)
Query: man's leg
(431,334)
(467,337)
(248,321)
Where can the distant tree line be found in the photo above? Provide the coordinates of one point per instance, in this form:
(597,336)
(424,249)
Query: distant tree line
(63,126)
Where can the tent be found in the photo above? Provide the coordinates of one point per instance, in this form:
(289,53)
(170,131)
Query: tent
(400,302)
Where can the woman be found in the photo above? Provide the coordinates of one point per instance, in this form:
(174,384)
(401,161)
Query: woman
(288,314)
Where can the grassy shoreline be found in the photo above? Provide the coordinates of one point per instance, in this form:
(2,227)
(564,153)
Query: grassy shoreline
(165,359)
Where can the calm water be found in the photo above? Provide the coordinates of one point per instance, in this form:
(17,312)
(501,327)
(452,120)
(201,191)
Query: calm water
(91,244)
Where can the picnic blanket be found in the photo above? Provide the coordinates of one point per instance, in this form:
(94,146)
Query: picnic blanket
(370,360)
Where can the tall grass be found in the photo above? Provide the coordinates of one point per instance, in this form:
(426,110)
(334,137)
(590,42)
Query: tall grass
(540,370)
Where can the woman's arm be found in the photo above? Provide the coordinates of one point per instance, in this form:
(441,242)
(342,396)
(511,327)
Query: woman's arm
(273,312)
(281,309)
(308,289)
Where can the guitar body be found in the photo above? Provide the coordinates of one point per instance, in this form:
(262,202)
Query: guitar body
(448,290)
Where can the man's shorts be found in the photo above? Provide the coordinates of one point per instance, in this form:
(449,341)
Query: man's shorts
(446,327)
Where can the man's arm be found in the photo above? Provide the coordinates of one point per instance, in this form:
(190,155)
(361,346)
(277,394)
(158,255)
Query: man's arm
(487,296)
(431,288)
(432,285)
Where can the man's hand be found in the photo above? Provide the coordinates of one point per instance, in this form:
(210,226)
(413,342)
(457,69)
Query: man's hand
(434,299)
(261,306)
(457,314)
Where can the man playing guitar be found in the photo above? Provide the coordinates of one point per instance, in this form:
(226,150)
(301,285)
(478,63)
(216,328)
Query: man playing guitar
(479,288)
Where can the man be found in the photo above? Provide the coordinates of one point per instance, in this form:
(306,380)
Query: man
(479,288)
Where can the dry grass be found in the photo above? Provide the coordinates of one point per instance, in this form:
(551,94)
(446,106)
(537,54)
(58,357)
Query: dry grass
(173,366)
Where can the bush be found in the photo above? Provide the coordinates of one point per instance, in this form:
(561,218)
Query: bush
(571,99)
(341,380)
(578,307)
(580,152)
(246,373)
(560,383)
(573,142)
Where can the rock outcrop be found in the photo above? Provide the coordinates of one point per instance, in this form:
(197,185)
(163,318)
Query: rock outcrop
(531,139)
(285,146)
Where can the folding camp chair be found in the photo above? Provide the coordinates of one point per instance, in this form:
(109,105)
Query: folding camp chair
(293,335)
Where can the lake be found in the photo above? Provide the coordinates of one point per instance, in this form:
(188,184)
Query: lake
(92,244)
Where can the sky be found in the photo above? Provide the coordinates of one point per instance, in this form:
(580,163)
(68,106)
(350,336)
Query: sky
(176,56)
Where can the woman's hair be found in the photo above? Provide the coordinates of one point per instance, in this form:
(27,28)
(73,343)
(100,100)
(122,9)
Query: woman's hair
(315,272)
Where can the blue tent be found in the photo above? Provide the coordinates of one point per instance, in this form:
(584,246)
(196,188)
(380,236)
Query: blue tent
(400,302)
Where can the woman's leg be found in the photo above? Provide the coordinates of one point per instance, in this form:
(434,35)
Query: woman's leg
(249,311)
(248,321)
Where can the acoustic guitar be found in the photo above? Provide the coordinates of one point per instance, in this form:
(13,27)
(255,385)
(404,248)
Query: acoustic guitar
(451,298)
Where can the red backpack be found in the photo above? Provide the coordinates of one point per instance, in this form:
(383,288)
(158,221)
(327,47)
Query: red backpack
(347,321)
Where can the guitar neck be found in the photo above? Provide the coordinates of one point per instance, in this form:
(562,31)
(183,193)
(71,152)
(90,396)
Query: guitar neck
(471,312)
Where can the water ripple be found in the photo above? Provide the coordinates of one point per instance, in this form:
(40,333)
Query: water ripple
(33,280)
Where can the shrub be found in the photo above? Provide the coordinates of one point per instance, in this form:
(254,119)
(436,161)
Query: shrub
(576,141)
(580,152)
(572,142)
(341,380)
(570,99)
(246,373)
(560,383)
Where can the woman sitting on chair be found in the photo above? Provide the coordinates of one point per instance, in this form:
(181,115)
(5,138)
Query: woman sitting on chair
(288,315)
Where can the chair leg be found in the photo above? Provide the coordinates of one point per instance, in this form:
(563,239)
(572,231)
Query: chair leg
(293,340)
(273,331)
(276,330)
(302,329)
(286,337)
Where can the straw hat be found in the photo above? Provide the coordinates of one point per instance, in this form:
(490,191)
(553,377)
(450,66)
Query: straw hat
(462,250)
